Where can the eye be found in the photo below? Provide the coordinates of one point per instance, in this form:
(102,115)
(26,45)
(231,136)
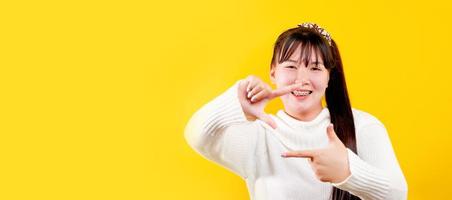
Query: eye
(291,67)
(316,68)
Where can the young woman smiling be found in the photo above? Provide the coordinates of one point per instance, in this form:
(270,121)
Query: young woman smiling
(307,150)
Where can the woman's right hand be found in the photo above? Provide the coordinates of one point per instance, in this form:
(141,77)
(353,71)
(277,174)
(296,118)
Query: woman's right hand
(254,94)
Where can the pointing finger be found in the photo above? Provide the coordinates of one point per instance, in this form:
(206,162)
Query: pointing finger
(299,154)
(284,90)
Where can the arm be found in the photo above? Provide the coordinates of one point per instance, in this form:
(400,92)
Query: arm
(375,173)
(221,132)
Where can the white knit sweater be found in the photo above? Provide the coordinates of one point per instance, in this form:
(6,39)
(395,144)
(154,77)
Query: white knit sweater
(252,149)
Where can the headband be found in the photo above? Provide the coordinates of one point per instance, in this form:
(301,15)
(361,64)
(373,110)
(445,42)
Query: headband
(318,29)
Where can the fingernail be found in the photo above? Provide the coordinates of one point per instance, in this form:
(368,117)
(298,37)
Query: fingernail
(283,155)
(248,95)
(254,98)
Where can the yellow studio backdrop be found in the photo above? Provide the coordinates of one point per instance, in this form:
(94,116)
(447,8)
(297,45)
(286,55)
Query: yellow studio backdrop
(95,95)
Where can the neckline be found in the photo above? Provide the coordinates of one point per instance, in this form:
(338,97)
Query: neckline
(298,123)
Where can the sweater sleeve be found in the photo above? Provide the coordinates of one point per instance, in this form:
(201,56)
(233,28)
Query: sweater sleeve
(376,173)
(220,132)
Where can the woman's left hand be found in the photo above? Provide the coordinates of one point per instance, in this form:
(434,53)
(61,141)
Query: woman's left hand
(330,164)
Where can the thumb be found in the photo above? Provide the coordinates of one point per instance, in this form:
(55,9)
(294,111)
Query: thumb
(267,119)
(331,133)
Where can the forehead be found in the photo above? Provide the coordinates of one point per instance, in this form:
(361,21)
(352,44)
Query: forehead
(298,57)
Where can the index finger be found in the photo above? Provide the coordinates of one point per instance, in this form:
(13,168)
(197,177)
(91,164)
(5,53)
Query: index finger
(299,154)
(284,90)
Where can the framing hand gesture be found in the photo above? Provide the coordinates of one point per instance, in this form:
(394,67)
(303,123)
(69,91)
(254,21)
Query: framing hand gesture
(330,164)
(254,94)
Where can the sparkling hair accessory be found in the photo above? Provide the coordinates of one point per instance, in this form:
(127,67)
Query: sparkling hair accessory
(319,29)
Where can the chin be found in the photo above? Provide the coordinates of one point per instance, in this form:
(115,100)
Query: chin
(298,108)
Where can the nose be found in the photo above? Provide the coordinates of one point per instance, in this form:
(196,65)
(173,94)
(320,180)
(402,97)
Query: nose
(302,72)
(303,79)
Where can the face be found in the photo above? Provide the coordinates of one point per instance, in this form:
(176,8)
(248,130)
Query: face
(306,103)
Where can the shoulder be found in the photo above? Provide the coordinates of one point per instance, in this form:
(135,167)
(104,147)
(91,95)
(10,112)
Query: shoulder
(371,136)
(364,119)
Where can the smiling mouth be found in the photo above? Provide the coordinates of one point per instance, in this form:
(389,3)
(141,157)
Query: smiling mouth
(301,93)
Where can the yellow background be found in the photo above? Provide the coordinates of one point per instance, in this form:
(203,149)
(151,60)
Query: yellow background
(95,94)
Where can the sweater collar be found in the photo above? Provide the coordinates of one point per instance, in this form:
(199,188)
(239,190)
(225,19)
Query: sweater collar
(324,114)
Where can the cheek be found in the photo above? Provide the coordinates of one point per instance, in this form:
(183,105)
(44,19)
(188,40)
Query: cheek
(321,82)
(284,79)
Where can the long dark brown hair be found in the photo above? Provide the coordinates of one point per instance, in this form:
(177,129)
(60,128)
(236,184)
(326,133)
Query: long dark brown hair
(336,94)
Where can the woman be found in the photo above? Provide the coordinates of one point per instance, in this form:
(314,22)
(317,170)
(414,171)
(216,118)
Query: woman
(306,151)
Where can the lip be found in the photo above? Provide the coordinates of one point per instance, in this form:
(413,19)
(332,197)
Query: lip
(300,89)
(300,97)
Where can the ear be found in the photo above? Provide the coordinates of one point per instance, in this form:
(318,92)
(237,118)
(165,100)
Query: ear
(329,75)
(272,74)
(328,82)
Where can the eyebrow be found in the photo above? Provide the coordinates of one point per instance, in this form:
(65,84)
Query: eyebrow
(314,62)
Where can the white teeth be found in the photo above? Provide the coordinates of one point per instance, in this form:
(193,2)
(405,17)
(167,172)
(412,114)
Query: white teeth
(301,93)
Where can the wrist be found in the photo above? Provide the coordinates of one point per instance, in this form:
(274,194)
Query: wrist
(342,180)
(346,170)
(250,117)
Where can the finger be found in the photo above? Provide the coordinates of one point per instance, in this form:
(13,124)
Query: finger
(284,90)
(256,89)
(251,84)
(242,87)
(259,96)
(267,119)
(331,133)
(300,154)
(247,85)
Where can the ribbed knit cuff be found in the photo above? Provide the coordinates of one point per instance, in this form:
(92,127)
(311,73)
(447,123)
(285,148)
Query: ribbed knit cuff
(224,110)
(365,181)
